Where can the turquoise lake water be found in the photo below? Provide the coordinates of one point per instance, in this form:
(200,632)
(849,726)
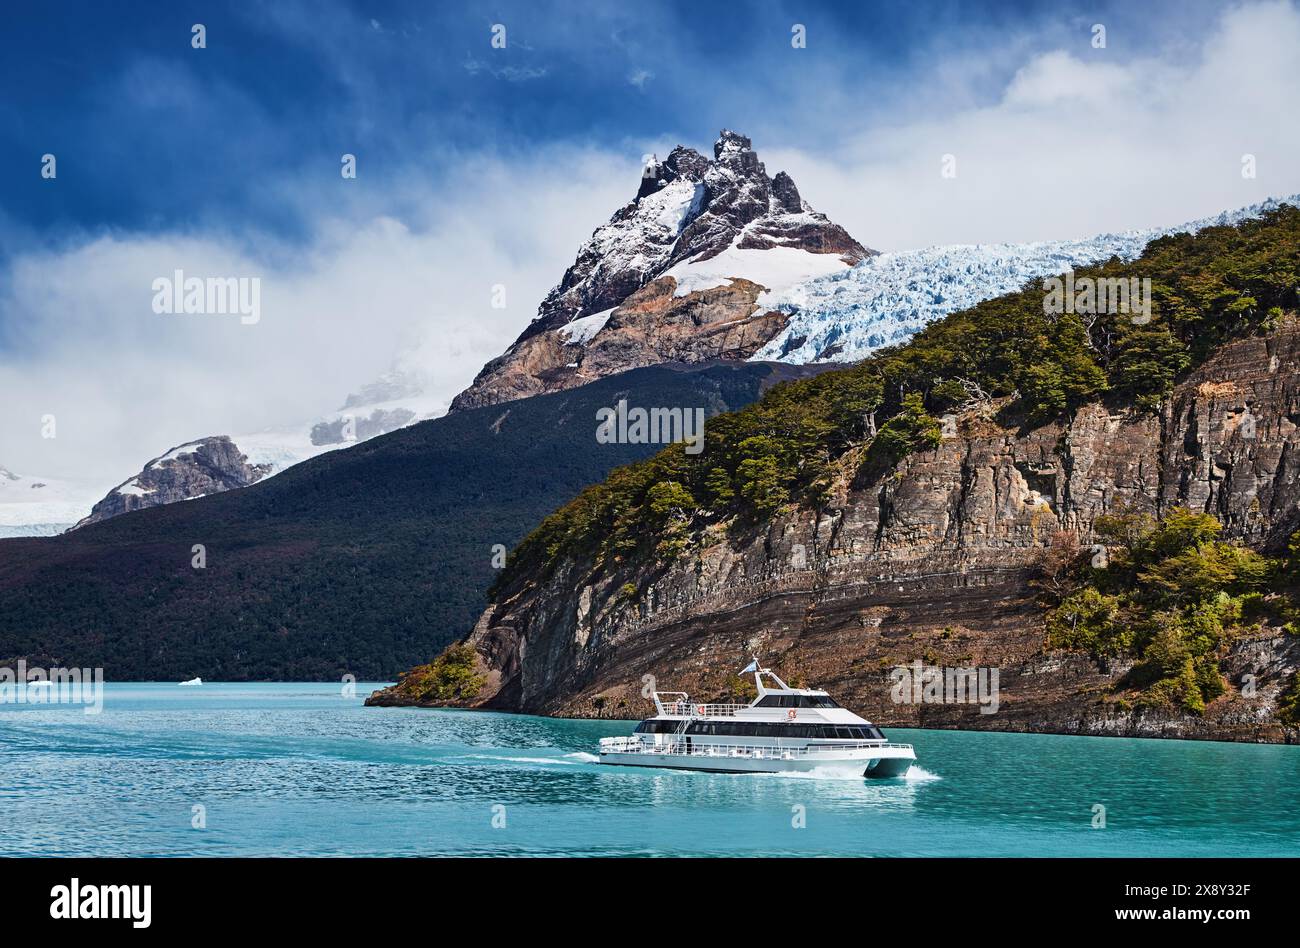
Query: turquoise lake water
(299,769)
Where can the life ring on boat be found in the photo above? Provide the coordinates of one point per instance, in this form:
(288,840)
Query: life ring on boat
(700,709)
(792,714)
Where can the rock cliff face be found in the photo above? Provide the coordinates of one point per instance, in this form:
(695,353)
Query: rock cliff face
(934,562)
(686,272)
(195,469)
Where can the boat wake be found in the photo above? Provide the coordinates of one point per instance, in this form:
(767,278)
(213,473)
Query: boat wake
(917,774)
(914,774)
(565,759)
(822,773)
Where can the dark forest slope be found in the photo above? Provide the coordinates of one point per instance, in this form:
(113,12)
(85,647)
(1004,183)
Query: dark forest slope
(362,561)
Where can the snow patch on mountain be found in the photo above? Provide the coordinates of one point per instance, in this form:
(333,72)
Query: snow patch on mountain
(641,242)
(885,299)
(781,270)
(282,448)
(42,506)
(173,455)
(580,331)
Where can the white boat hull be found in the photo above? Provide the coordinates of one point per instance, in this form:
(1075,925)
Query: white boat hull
(888,762)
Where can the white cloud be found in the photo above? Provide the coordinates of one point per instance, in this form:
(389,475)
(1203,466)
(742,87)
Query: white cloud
(125,383)
(1080,142)
(475,66)
(1059,79)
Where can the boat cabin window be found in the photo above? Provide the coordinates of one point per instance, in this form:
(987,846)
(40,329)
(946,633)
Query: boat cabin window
(797,701)
(657,727)
(853,732)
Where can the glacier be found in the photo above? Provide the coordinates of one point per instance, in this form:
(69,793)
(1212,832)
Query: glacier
(885,299)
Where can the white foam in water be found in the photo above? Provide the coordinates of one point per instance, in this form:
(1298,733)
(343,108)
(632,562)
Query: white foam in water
(914,774)
(583,757)
(817,773)
(567,759)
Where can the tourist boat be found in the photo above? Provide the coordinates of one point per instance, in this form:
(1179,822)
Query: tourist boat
(783,729)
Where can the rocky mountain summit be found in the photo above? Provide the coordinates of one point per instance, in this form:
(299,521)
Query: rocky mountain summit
(195,469)
(691,270)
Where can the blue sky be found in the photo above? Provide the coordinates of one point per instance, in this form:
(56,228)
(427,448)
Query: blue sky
(482,167)
(150,133)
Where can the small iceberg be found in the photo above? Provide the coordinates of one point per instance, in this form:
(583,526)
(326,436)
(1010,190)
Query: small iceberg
(192,681)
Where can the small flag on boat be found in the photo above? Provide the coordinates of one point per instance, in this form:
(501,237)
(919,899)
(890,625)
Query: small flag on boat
(751,667)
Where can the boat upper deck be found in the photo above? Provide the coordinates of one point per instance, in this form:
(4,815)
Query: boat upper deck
(779,705)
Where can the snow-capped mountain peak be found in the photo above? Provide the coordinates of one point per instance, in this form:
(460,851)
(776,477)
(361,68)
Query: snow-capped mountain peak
(718,234)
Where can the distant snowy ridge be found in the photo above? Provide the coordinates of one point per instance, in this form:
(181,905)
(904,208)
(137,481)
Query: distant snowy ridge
(43,506)
(885,299)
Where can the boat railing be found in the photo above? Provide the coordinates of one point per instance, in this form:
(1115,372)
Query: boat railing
(684,707)
(639,745)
